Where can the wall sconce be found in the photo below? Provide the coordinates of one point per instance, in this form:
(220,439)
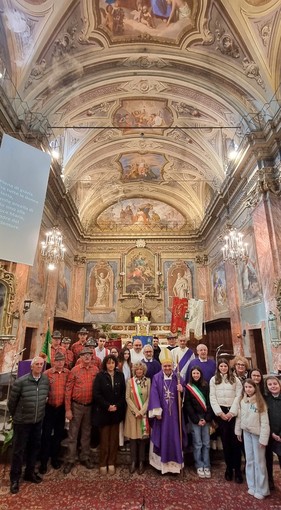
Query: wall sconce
(26,305)
(161,283)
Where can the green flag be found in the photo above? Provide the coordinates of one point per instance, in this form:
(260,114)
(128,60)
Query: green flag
(46,349)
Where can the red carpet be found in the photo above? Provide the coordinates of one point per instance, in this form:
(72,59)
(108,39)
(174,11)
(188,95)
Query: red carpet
(87,490)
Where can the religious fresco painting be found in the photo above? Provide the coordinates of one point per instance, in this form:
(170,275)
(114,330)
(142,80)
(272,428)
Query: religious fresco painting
(140,268)
(140,215)
(99,287)
(142,167)
(179,281)
(167,19)
(37,279)
(64,282)
(142,113)
(219,289)
(249,280)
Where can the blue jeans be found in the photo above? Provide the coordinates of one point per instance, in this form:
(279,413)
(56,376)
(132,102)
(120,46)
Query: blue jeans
(256,472)
(201,445)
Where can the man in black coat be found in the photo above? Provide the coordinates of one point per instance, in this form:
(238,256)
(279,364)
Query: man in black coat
(27,407)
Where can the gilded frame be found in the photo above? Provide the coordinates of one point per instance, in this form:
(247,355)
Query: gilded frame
(7,293)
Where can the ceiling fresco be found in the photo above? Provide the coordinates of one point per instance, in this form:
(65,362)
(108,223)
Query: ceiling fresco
(144,99)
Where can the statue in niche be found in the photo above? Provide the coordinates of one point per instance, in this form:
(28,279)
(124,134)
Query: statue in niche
(181,288)
(101,287)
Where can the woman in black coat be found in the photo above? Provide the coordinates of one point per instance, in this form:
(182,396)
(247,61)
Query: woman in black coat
(109,405)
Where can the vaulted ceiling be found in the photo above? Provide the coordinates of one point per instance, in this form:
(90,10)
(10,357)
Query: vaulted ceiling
(144,99)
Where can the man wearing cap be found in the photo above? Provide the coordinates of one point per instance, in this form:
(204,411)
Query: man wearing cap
(90,344)
(54,420)
(26,405)
(182,355)
(166,449)
(153,366)
(69,357)
(80,344)
(172,341)
(101,351)
(56,346)
(78,400)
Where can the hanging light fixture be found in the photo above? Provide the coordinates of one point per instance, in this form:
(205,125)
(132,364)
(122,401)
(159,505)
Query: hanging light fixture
(52,249)
(234,248)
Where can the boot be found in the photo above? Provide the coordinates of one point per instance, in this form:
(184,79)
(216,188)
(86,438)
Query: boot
(141,469)
(132,468)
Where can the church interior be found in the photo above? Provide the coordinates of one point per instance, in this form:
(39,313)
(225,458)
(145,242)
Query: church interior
(163,122)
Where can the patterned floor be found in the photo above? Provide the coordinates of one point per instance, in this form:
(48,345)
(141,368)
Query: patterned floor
(86,489)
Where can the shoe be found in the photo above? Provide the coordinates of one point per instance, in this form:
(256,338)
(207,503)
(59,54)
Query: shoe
(200,473)
(88,463)
(14,487)
(228,475)
(141,469)
(122,449)
(67,468)
(103,470)
(132,468)
(238,477)
(207,473)
(111,470)
(56,464)
(258,496)
(251,492)
(33,478)
(43,469)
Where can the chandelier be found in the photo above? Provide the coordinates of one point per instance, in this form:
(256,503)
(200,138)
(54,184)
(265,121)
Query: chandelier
(52,249)
(234,248)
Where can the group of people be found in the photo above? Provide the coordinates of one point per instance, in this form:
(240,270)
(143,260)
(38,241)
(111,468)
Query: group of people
(149,395)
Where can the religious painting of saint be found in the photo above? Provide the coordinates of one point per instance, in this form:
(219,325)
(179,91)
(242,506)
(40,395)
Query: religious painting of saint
(37,279)
(140,271)
(142,167)
(179,281)
(248,274)
(64,280)
(158,18)
(100,292)
(142,113)
(140,215)
(219,289)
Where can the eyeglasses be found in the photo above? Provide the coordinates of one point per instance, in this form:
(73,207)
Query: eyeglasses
(240,364)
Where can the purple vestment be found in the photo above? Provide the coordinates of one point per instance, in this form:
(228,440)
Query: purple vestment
(165,434)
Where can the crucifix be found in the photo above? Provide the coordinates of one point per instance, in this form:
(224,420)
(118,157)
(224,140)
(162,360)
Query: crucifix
(141,296)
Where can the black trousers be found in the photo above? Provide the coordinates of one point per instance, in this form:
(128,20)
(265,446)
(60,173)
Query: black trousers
(26,440)
(269,460)
(52,433)
(137,448)
(230,443)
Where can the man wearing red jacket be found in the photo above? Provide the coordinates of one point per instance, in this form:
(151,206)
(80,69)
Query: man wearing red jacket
(78,400)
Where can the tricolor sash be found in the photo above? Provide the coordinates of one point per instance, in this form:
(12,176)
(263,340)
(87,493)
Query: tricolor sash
(194,390)
(139,404)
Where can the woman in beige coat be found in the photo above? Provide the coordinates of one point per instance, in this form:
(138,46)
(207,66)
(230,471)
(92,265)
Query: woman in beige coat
(136,421)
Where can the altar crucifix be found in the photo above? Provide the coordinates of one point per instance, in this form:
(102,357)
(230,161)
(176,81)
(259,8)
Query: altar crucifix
(141,296)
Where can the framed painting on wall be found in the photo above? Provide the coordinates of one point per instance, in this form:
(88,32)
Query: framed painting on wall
(249,280)
(219,293)
(141,272)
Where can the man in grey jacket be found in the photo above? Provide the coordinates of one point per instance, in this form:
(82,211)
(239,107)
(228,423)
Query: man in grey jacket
(27,407)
